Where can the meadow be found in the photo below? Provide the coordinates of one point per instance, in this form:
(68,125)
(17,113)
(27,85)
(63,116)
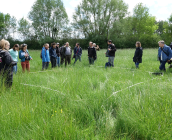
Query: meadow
(89,102)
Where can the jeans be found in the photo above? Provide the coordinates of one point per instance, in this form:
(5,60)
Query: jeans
(58,61)
(67,59)
(162,65)
(137,64)
(45,65)
(15,69)
(53,62)
(111,60)
(77,57)
(91,61)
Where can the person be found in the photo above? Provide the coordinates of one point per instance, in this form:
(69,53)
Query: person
(111,52)
(164,54)
(58,54)
(91,53)
(45,56)
(138,54)
(6,64)
(14,54)
(171,46)
(62,54)
(96,47)
(77,53)
(53,55)
(25,58)
(67,51)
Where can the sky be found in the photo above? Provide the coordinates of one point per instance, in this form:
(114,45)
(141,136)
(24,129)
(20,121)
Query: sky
(161,9)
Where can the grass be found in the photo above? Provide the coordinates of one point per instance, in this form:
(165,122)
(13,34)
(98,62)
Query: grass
(83,102)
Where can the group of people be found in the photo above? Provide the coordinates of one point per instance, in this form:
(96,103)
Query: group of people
(57,55)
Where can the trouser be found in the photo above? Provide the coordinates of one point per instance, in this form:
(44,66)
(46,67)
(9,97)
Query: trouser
(45,65)
(162,65)
(77,57)
(91,60)
(53,62)
(62,60)
(111,60)
(7,77)
(15,69)
(58,61)
(25,66)
(137,64)
(67,59)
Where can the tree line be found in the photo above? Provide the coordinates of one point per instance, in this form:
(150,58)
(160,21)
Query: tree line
(93,20)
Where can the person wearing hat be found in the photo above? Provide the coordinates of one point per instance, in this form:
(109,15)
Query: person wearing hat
(25,58)
(58,54)
(6,64)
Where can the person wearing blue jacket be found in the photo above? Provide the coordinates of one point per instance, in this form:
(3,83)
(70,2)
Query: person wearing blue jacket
(25,58)
(77,53)
(164,54)
(45,56)
(53,55)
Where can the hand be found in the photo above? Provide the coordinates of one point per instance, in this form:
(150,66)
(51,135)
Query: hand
(49,62)
(26,55)
(168,61)
(31,59)
(109,49)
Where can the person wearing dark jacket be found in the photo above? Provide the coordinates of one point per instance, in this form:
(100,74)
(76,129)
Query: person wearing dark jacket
(171,46)
(53,55)
(58,54)
(91,53)
(6,64)
(62,54)
(111,52)
(77,53)
(138,54)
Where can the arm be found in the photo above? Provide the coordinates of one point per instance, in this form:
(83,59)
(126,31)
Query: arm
(81,50)
(140,54)
(8,60)
(170,53)
(159,52)
(113,49)
(29,54)
(43,54)
(21,56)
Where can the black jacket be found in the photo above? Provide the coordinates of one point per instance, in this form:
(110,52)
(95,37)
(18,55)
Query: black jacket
(6,65)
(92,52)
(138,55)
(58,51)
(112,51)
(171,45)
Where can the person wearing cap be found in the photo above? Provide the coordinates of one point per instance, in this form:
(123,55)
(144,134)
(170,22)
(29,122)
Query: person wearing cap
(53,55)
(164,54)
(77,52)
(58,54)
(25,58)
(14,54)
(111,52)
(6,64)
(62,54)
(67,51)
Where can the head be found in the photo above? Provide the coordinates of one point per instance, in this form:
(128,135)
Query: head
(4,44)
(77,44)
(46,45)
(24,47)
(90,44)
(109,42)
(57,44)
(16,47)
(94,44)
(54,45)
(138,44)
(67,44)
(161,43)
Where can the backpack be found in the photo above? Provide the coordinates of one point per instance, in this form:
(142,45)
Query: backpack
(41,54)
(108,64)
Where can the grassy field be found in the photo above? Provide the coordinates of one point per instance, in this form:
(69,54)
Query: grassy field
(89,102)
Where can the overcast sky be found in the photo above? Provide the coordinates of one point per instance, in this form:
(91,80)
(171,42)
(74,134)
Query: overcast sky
(161,9)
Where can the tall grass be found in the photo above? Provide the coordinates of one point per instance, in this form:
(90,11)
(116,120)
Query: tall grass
(82,102)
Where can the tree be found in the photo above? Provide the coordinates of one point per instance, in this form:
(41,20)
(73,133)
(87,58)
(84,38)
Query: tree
(24,28)
(95,18)
(49,18)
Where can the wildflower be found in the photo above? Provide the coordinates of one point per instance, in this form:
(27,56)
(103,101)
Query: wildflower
(55,111)
(61,111)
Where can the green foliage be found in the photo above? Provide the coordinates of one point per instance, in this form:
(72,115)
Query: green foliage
(79,102)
